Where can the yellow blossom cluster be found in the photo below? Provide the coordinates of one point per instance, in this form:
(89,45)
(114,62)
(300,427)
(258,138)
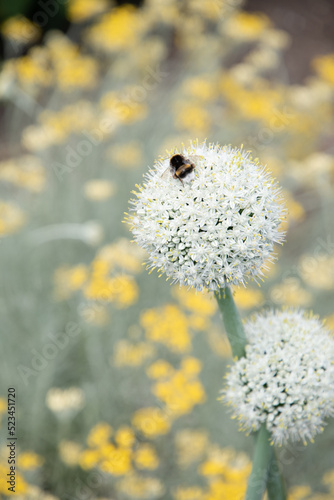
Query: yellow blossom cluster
(317,270)
(11,218)
(26,461)
(117,30)
(117,453)
(128,155)
(131,354)
(60,62)
(20,30)
(191,446)
(179,390)
(151,421)
(324,66)
(290,292)
(167,325)
(99,189)
(138,486)
(26,171)
(80,10)
(108,279)
(55,126)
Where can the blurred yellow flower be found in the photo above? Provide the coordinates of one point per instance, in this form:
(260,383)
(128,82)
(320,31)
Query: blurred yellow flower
(69,279)
(26,171)
(316,169)
(3,406)
(295,209)
(77,72)
(20,484)
(121,290)
(192,117)
(11,218)
(55,126)
(99,189)
(72,69)
(118,461)
(160,369)
(190,493)
(324,66)
(29,460)
(329,321)
(140,487)
(200,303)
(123,108)
(220,489)
(299,492)
(131,354)
(145,457)
(247,298)
(317,270)
(234,466)
(119,29)
(167,325)
(212,9)
(181,391)
(89,459)
(191,366)
(30,71)
(257,102)
(151,422)
(246,26)
(198,322)
(99,435)
(290,292)
(123,254)
(70,452)
(127,155)
(95,314)
(125,436)
(201,87)
(219,343)
(328,479)
(80,10)
(191,445)
(19,29)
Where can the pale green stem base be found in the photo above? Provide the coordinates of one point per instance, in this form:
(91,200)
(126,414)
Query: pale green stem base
(263,457)
(275,483)
(232,322)
(265,472)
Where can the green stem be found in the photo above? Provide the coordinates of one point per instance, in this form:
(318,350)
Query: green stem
(232,322)
(275,484)
(265,473)
(263,457)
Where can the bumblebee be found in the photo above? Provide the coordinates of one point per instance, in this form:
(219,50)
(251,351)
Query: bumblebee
(180,167)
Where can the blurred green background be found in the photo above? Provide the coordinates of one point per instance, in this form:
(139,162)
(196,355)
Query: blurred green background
(117,373)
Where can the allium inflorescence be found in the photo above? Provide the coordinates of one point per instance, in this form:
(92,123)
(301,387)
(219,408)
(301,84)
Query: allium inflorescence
(286,380)
(218,226)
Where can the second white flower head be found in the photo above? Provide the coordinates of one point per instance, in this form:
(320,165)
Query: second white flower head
(219,225)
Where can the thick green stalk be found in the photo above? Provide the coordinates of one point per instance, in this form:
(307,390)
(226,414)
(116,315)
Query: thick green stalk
(263,457)
(232,322)
(275,483)
(265,473)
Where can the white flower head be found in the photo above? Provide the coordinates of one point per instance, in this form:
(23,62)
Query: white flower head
(218,225)
(286,380)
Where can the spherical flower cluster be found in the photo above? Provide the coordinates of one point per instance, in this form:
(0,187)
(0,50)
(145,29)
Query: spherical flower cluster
(286,380)
(216,225)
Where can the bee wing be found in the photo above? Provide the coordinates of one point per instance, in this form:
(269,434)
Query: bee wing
(164,174)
